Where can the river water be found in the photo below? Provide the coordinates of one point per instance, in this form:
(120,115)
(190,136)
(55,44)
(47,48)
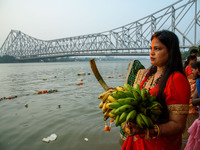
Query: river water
(79,117)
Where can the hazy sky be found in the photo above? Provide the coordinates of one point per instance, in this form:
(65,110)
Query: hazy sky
(54,19)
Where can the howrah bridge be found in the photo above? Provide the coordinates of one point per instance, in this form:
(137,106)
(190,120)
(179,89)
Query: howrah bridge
(182,18)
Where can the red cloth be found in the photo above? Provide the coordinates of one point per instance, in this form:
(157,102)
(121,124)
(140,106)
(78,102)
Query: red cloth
(188,70)
(177,91)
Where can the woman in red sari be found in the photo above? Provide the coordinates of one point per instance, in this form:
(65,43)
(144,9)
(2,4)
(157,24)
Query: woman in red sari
(165,80)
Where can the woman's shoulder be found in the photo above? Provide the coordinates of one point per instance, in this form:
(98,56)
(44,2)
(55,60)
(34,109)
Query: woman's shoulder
(179,79)
(178,75)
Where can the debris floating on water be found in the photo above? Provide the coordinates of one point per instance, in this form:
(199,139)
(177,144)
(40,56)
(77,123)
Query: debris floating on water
(45,140)
(26,105)
(86,139)
(81,74)
(109,77)
(52,137)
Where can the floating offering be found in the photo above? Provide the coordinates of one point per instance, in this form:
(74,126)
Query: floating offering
(45,91)
(81,83)
(107,128)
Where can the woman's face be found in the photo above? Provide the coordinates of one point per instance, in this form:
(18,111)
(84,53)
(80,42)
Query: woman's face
(193,61)
(158,54)
(195,72)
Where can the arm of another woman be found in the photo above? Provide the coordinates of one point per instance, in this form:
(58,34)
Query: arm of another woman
(195,99)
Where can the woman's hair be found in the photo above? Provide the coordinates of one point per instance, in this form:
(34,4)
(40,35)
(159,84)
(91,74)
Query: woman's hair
(193,51)
(190,57)
(174,64)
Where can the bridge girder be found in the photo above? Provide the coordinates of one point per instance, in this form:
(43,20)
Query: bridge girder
(132,39)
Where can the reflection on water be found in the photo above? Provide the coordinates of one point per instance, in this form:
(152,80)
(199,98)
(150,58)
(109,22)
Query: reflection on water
(78,117)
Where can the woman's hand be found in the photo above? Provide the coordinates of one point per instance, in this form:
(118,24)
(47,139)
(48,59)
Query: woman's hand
(132,129)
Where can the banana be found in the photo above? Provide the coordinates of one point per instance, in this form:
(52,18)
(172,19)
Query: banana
(122,124)
(122,117)
(128,100)
(156,111)
(137,95)
(111,99)
(128,93)
(114,105)
(115,95)
(111,115)
(105,97)
(140,121)
(113,111)
(144,118)
(117,121)
(144,94)
(123,108)
(119,88)
(156,105)
(105,118)
(108,105)
(136,87)
(121,94)
(104,93)
(104,108)
(101,104)
(107,112)
(152,98)
(131,115)
(150,122)
(127,87)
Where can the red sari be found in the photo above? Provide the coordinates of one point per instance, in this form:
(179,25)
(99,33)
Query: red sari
(177,93)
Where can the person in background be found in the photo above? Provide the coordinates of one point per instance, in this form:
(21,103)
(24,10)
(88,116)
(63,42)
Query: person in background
(194,52)
(193,110)
(167,81)
(190,60)
(194,130)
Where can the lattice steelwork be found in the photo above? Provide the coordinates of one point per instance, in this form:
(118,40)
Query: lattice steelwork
(182,17)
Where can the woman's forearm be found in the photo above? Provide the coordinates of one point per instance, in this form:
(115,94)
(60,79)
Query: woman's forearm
(174,126)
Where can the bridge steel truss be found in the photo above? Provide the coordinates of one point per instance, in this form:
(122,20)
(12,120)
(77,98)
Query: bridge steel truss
(182,17)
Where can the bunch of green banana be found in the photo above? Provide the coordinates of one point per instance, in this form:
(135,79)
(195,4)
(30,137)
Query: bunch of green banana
(130,104)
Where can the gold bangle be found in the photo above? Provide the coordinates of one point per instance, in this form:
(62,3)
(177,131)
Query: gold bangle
(157,130)
(147,134)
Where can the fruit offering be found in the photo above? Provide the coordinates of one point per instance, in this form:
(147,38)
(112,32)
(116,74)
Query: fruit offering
(130,104)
